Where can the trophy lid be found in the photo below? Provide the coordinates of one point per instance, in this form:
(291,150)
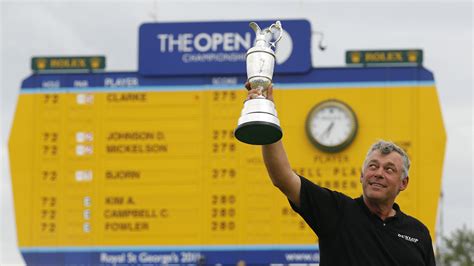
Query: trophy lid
(264,37)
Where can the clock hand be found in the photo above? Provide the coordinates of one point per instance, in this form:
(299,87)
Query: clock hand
(328,130)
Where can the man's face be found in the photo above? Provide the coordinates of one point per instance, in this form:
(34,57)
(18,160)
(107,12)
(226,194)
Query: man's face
(381,177)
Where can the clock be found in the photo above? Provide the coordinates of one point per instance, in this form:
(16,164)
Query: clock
(331,125)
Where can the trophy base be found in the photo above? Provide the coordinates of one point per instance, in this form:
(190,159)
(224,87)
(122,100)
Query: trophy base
(258,133)
(258,124)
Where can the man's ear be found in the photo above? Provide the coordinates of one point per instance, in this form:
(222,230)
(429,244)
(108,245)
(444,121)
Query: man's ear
(404,184)
(361,176)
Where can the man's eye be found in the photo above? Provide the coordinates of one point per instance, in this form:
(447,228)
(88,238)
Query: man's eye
(390,170)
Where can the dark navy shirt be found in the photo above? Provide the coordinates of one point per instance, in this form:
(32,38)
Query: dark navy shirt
(349,234)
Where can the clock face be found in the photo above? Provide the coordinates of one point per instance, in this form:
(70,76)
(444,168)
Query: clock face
(331,125)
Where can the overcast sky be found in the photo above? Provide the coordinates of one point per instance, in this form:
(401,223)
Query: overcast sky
(443,29)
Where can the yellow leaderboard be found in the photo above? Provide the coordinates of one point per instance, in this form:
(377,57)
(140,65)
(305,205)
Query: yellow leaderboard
(159,166)
(148,168)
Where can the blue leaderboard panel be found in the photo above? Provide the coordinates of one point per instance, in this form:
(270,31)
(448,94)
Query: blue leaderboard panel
(320,77)
(206,255)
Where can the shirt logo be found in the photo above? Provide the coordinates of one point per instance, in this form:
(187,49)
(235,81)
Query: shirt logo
(408,238)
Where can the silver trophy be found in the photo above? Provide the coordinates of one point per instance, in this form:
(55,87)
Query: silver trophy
(258,123)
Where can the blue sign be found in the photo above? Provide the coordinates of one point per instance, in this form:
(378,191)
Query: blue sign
(200,255)
(196,48)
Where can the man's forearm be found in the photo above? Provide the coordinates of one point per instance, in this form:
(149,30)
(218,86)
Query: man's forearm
(280,172)
(276,161)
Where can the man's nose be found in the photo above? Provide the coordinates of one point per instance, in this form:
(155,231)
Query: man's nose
(379,173)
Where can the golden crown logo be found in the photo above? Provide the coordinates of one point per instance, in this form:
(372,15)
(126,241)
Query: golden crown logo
(355,57)
(41,63)
(95,62)
(412,56)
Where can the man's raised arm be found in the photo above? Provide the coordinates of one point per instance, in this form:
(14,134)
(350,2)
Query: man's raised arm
(276,161)
(280,172)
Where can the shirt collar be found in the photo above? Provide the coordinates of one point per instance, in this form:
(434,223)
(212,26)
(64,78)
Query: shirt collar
(398,213)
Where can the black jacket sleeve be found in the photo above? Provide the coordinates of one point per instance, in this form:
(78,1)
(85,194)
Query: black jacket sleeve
(430,258)
(321,208)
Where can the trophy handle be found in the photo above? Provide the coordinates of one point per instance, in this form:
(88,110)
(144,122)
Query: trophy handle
(255,27)
(277,26)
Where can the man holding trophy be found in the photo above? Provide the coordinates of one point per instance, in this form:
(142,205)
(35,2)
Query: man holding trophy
(369,230)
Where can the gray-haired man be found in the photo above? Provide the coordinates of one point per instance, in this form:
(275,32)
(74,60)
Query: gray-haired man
(369,230)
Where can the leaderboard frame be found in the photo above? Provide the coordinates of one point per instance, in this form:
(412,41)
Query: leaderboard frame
(118,168)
